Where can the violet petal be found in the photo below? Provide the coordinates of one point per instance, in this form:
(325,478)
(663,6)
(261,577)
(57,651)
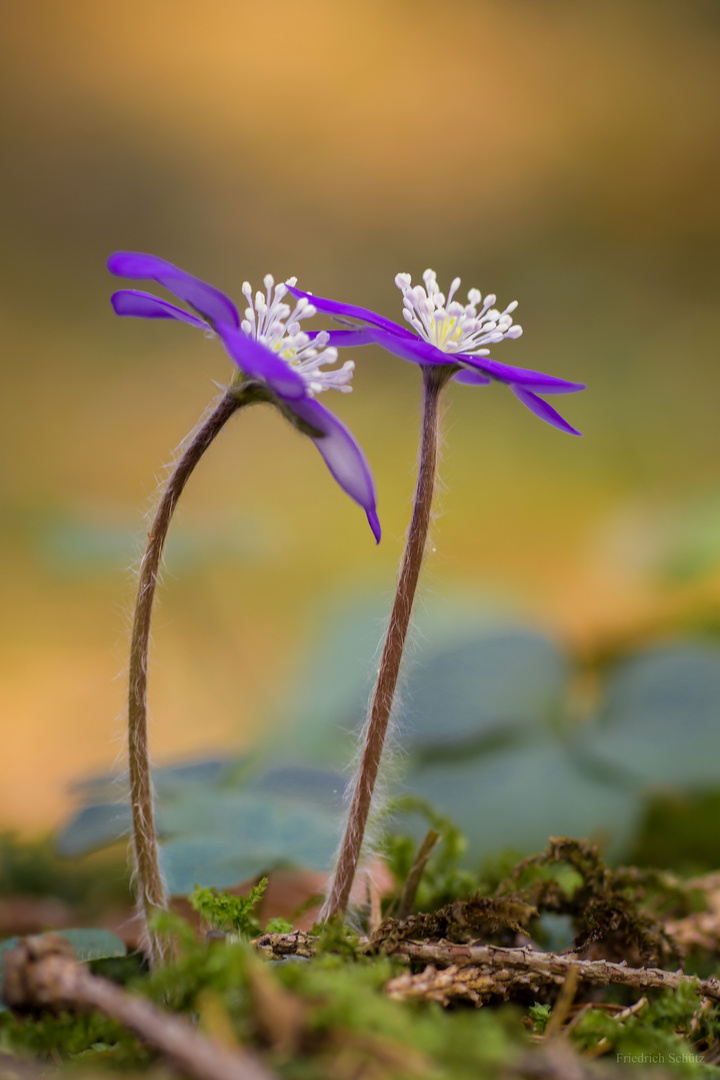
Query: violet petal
(410,347)
(344,339)
(350,311)
(258,362)
(543,384)
(472,378)
(206,299)
(144,305)
(343,457)
(543,410)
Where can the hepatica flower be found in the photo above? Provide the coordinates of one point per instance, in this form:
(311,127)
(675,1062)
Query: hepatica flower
(449,334)
(277,362)
(448,339)
(268,346)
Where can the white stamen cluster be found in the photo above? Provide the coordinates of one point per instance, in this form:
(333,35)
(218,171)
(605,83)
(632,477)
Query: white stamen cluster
(450,325)
(266,320)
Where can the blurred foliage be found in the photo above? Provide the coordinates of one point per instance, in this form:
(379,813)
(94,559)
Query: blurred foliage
(585,186)
(505,740)
(34,869)
(679,832)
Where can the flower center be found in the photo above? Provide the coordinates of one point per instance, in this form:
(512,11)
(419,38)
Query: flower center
(451,326)
(272,322)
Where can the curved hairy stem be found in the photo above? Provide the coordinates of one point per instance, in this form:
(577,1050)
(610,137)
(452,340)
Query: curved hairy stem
(389,670)
(151,888)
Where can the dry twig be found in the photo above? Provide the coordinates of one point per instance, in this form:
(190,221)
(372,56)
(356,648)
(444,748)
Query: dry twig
(553,967)
(474,968)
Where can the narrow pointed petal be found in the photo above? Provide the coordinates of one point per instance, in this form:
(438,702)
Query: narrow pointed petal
(258,362)
(398,341)
(144,305)
(343,339)
(543,384)
(543,410)
(343,457)
(350,311)
(212,304)
(472,378)
(410,347)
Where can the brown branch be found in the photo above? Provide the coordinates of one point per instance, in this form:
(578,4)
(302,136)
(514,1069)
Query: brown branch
(474,965)
(278,946)
(553,967)
(42,973)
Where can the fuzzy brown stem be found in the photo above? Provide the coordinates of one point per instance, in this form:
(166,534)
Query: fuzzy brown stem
(389,670)
(151,888)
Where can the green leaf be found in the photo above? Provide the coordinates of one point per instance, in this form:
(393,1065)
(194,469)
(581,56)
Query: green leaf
(106,819)
(518,798)
(94,827)
(223,838)
(468,685)
(660,724)
(482,692)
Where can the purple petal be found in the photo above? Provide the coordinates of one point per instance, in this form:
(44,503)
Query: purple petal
(212,304)
(543,410)
(472,378)
(398,341)
(343,339)
(350,311)
(343,457)
(410,347)
(146,306)
(544,384)
(258,362)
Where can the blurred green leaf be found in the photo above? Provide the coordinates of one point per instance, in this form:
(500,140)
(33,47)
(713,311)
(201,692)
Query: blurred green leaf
(93,827)
(91,944)
(519,797)
(258,835)
(660,722)
(490,686)
(465,679)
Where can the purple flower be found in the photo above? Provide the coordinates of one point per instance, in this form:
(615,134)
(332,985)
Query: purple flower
(450,333)
(267,346)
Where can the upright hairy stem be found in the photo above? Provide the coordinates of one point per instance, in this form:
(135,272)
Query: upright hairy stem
(384,693)
(151,888)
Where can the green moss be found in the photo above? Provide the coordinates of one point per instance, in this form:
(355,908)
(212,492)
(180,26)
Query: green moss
(63,1037)
(231,914)
(278,925)
(539,1013)
(672,1030)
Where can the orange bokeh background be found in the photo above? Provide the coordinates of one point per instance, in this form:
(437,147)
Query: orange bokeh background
(564,153)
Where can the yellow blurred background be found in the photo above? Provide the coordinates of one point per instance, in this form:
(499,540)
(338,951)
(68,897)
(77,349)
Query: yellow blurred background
(561,152)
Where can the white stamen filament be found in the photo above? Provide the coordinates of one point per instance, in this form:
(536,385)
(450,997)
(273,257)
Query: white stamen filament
(450,325)
(274,324)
